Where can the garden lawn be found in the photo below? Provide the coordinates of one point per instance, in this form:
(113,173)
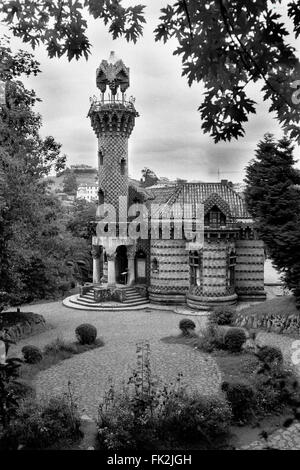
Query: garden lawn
(280,305)
(236,367)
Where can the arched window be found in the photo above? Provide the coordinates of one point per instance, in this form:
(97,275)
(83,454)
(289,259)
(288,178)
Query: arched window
(231,267)
(100,196)
(195,268)
(155,265)
(123,166)
(100,154)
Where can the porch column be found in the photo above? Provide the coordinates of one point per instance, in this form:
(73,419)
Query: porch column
(96,265)
(111,269)
(131,265)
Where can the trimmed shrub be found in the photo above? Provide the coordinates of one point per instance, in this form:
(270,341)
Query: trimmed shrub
(241,397)
(270,355)
(86,333)
(32,354)
(187,326)
(234,339)
(222,316)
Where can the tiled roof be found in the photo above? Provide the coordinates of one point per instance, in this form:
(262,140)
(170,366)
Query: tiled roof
(193,193)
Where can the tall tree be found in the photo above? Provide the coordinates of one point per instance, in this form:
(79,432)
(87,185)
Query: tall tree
(273,199)
(70,184)
(225,44)
(34,249)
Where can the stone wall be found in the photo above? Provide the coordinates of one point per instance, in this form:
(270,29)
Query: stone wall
(170,282)
(285,324)
(249,273)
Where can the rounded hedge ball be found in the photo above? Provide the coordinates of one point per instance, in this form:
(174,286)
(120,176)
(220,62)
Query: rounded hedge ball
(86,333)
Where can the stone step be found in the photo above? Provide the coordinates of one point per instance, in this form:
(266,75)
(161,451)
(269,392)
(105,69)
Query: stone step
(78,304)
(93,303)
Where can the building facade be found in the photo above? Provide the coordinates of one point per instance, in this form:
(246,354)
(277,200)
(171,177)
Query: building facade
(225,263)
(89,192)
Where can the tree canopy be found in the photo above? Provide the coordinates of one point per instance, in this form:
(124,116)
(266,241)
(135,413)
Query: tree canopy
(272,197)
(224,44)
(36,252)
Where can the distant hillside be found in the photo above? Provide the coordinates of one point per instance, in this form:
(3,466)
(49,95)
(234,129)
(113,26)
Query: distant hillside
(84,174)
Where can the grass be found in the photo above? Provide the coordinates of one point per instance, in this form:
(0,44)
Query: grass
(279,306)
(234,366)
(56,352)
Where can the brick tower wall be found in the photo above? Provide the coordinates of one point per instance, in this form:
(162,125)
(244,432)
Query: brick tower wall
(114,148)
(215,269)
(172,278)
(249,271)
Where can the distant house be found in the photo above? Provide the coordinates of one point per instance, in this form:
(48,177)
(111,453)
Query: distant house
(88,191)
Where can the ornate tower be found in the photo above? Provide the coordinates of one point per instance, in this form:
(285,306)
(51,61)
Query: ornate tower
(113,119)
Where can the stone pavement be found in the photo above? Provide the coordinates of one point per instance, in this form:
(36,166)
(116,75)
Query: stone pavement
(283,439)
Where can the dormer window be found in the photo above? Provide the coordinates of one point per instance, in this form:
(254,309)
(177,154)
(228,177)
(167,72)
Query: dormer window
(215,218)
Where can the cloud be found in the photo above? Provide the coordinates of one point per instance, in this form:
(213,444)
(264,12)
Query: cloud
(168,137)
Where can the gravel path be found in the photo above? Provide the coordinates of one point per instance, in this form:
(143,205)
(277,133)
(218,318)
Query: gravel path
(90,373)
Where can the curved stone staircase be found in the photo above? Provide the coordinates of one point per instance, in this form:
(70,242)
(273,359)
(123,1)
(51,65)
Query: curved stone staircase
(134,300)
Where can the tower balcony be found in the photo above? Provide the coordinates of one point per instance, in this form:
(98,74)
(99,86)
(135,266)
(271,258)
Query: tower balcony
(112,116)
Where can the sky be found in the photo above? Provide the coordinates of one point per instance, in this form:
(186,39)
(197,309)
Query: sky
(167,137)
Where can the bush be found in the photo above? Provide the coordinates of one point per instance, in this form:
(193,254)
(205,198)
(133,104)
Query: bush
(38,425)
(167,418)
(187,326)
(32,354)
(59,345)
(276,388)
(149,415)
(222,316)
(234,339)
(270,355)
(241,397)
(22,390)
(209,340)
(86,333)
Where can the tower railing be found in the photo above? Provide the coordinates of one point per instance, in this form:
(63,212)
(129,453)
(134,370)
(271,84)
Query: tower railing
(98,105)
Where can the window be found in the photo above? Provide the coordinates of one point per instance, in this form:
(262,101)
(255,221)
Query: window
(100,157)
(232,263)
(195,268)
(155,265)
(123,166)
(215,218)
(101,196)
